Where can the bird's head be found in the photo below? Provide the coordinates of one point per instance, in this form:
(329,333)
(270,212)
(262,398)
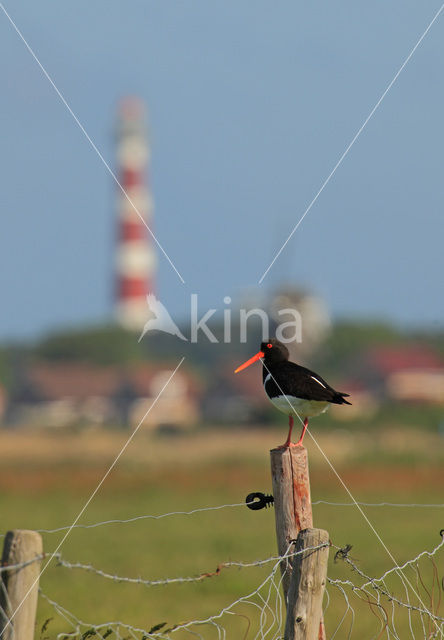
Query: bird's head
(272,351)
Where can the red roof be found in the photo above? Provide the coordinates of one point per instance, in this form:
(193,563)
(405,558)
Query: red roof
(391,359)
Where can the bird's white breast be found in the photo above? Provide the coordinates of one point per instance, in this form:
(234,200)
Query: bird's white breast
(299,406)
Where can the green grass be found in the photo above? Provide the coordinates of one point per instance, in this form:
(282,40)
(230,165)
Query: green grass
(188,545)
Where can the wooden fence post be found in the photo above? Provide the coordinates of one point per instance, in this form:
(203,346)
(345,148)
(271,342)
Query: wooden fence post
(19,587)
(292,501)
(291,492)
(307,585)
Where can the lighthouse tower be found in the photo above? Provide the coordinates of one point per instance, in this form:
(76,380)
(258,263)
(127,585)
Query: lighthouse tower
(135,256)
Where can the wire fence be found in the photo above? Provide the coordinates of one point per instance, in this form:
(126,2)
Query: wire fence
(261,612)
(356,604)
(161,516)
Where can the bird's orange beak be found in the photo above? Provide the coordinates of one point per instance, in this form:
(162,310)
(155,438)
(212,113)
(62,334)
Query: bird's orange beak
(246,364)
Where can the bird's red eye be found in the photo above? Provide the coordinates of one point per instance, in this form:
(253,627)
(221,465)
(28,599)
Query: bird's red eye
(269,346)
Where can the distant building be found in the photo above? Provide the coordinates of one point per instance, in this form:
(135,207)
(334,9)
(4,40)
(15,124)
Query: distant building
(417,386)
(404,373)
(58,395)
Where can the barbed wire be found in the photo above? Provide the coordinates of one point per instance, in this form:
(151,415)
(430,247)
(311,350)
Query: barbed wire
(374,582)
(21,565)
(78,624)
(270,620)
(344,554)
(164,581)
(372,590)
(375,592)
(262,608)
(266,599)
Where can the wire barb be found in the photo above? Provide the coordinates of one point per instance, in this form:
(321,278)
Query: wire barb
(342,554)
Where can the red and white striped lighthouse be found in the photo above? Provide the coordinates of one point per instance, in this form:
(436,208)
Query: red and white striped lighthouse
(135,259)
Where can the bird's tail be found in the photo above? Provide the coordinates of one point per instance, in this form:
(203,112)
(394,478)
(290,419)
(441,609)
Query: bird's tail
(340,398)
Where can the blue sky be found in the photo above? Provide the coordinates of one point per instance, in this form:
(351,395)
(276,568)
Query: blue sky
(251,105)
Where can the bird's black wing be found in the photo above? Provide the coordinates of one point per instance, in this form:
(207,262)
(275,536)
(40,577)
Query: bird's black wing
(297,381)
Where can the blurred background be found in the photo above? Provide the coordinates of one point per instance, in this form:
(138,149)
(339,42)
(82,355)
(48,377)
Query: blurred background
(217,124)
(220,123)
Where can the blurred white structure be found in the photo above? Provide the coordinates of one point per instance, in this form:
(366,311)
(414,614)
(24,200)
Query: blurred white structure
(314,316)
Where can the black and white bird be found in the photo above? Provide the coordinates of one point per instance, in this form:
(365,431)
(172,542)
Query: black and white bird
(293,389)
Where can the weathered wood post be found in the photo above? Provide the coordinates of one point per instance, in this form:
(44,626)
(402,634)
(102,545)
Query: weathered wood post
(292,501)
(307,585)
(19,587)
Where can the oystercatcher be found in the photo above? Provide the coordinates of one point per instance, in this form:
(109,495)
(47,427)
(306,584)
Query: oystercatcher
(293,389)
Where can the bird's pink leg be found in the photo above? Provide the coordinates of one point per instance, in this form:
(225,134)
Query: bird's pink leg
(299,442)
(288,443)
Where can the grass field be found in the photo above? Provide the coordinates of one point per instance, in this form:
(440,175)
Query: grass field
(46,478)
